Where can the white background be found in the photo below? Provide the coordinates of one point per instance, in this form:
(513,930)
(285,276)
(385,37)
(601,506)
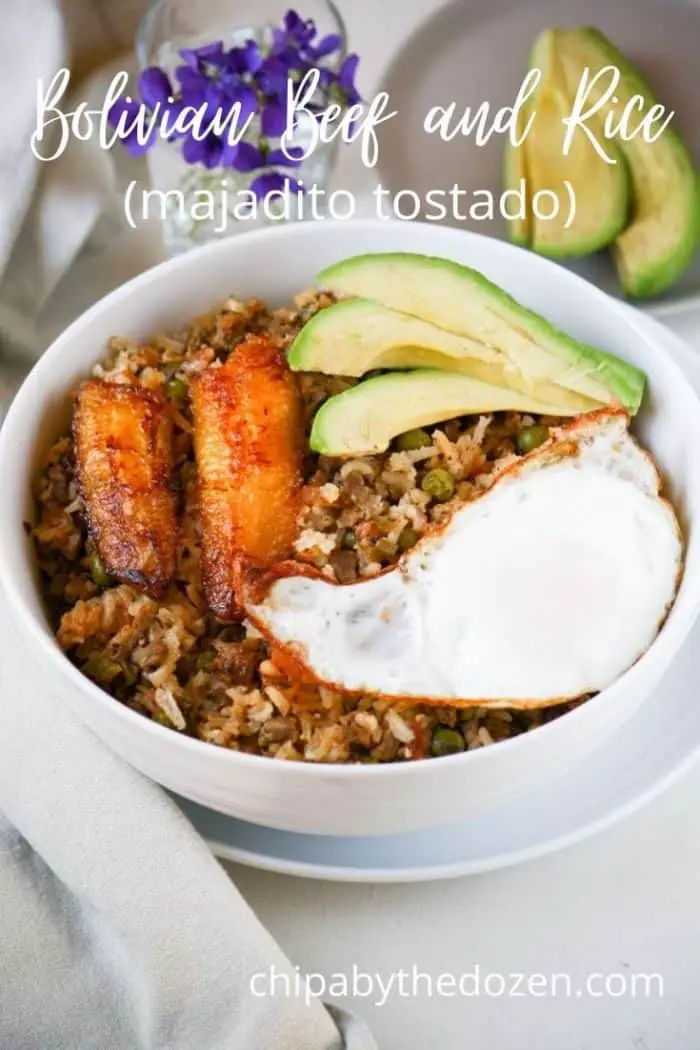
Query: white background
(627,901)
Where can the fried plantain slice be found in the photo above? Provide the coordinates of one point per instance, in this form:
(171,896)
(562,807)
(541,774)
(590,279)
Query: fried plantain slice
(124,457)
(248,436)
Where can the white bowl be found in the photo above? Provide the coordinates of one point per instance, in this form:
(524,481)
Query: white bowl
(273,265)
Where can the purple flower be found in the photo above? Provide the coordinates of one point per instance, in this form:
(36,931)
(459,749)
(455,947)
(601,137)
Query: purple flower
(213,101)
(206,151)
(213,79)
(242,60)
(270,181)
(273,120)
(198,57)
(243,94)
(346,78)
(292,158)
(155,87)
(125,113)
(294,43)
(193,84)
(326,46)
(245,157)
(253,57)
(298,31)
(271,77)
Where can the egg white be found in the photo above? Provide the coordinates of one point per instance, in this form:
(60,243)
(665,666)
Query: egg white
(547,587)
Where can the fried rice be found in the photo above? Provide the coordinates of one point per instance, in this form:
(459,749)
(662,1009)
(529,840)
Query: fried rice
(171,661)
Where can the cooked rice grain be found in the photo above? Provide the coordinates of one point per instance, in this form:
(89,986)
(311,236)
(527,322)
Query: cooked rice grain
(172,661)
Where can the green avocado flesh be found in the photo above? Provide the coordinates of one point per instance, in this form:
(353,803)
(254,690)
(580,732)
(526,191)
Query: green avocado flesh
(463,302)
(356,336)
(601,190)
(664,228)
(364,419)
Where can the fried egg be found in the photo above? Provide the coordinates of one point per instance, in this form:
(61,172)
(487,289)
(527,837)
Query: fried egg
(545,588)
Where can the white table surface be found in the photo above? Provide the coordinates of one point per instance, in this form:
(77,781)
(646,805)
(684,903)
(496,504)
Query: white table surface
(626,901)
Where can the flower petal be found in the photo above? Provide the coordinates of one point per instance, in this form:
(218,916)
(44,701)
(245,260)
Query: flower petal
(136,148)
(215,101)
(154,86)
(293,22)
(169,115)
(346,78)
(192,149)
(326,46)
(273,120)
(293,158)
(189,56)
(279,41)
(252,56)
(193,85)
(234,63)
(299,31)
(271,77)
(271,181)
(228,153)
(195,57)
(348,69)
(206,151)
(214,149)
(123,114)
(122,106)
(243,94)
(213,52)
(247,157)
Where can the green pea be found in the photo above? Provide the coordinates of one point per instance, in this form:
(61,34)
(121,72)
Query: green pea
(439,484)
(408,538)
(162,719)
(98,572)
(348,540)
(130,674)
(103,668)
(413,439)
(446,742)
(177,390)
(205,660)
(530,438)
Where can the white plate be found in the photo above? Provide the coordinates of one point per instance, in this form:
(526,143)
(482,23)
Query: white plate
(476,50)
(660,742)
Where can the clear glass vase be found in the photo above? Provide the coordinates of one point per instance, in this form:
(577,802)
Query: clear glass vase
(206,203)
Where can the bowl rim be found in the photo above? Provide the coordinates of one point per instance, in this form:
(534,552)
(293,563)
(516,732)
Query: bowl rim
(667,641)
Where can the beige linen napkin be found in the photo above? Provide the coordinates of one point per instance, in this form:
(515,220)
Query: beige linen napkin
(118,929)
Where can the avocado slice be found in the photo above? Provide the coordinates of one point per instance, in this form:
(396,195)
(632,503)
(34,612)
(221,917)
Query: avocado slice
(364,419)
(601,190)
(356,336)
(461,300)
(664,231)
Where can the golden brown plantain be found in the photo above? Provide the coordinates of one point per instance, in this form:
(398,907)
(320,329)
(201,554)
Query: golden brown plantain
(124,457)
(248,437)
